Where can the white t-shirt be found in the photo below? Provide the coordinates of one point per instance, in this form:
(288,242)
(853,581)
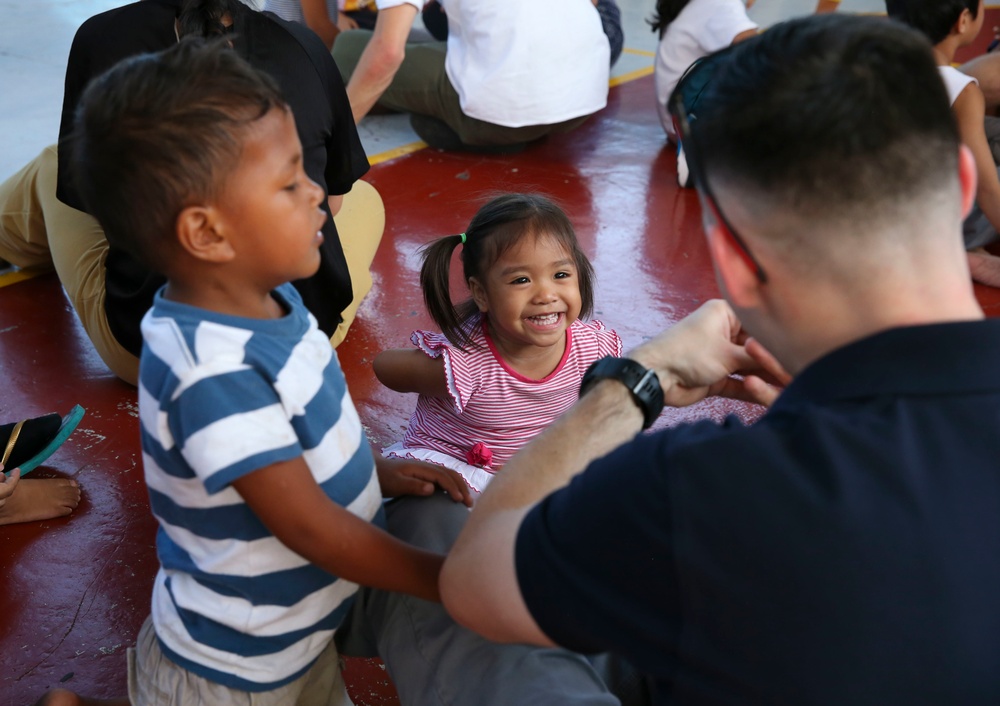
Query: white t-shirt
(521,62)
(954,82)
(702,27)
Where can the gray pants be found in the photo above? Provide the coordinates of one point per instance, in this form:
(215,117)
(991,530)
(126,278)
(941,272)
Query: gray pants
(434,661)
(421,85)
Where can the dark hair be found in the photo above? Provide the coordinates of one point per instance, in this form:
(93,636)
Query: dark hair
(496,228)
(665,13)
(935,18)
(834,116)
(159,132)
(203,18)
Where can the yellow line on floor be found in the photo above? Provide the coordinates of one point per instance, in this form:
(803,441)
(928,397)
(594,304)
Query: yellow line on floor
(16,276)
(630,76)
(638,52)
(396,152)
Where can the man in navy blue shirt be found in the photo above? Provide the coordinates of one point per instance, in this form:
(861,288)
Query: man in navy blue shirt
(845,548)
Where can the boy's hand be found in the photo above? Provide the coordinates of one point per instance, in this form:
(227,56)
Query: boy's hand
(399,476)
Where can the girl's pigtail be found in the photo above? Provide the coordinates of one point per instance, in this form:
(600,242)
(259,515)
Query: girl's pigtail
(203,18)
(435,282)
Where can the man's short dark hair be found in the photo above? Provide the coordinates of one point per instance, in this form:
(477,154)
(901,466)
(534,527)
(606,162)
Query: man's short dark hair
(935,18)
(160,132)
(830,116)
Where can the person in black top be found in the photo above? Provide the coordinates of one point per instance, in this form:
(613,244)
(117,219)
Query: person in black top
(109,290)
(843,548)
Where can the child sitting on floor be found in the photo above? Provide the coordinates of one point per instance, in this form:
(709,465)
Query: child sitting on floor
(510,359)
(259,473)
(950,25)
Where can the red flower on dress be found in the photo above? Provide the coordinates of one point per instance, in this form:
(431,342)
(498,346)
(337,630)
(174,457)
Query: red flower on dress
(479,455)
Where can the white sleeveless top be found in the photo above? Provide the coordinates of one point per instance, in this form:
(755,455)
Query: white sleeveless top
(954,82)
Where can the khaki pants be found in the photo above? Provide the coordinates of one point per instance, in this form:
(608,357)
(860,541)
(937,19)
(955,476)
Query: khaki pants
(153,680)
(38,230)
(421,85)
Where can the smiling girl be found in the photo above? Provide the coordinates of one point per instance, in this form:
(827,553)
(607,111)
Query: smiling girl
(510,359)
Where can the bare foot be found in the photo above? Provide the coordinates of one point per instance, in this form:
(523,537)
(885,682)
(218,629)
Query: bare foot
(36,499)
(984,267)
(61,697)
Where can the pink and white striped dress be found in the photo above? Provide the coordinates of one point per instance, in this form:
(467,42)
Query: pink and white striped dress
(493,411)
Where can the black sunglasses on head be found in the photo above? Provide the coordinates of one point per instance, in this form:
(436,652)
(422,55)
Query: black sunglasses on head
(682,128)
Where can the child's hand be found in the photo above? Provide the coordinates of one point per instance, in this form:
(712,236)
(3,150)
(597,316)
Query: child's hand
(405,477)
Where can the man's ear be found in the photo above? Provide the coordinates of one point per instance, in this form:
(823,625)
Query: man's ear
(478,294)
(199,234)
(967,178)
(737,280)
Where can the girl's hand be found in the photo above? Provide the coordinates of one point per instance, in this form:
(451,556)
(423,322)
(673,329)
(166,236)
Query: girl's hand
(399,476)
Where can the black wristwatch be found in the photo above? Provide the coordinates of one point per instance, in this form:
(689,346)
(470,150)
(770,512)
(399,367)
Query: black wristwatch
(641,382)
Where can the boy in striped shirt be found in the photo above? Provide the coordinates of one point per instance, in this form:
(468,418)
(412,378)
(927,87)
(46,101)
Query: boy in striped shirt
(260,476)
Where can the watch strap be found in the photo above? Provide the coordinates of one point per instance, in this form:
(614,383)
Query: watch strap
(642,383)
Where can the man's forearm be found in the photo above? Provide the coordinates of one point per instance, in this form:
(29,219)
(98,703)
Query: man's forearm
(479,570)
(479,585)
(603,420)
(380,59)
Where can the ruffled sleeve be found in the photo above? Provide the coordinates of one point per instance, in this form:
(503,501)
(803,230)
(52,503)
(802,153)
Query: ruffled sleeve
(608,341)
(460,368)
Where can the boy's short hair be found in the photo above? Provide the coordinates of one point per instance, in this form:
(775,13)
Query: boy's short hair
(158,133)
(831,117)
(935,18)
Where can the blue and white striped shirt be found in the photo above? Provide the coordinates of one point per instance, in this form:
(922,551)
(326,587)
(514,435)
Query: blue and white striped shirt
(220,397)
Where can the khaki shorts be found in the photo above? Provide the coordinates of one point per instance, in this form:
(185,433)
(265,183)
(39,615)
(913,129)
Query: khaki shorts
(153,680)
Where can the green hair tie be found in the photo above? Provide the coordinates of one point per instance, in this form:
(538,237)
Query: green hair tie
(462,236)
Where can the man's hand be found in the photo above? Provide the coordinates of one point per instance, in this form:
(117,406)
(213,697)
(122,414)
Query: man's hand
(766,384)
(399,476)
(698,357)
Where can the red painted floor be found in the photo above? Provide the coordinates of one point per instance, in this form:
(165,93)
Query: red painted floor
(75,590)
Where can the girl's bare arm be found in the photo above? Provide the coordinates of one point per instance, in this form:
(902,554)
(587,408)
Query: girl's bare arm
(411,370)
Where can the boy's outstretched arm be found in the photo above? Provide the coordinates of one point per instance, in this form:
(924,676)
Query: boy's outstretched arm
(411,370)
(286,498)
